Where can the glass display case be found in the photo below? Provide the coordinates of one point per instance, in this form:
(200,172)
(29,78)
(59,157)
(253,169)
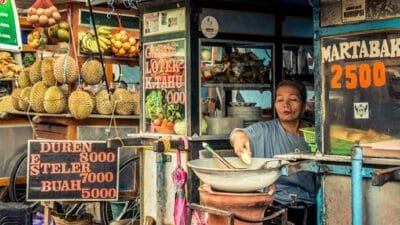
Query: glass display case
(235,84)
(362,93)
(297,60)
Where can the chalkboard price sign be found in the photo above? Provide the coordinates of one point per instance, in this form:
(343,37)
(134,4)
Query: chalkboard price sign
(71,171)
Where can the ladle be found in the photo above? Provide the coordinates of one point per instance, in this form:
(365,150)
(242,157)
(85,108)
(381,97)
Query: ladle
(222,159)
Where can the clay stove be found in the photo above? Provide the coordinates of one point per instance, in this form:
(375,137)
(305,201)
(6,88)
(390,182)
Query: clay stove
(247,205)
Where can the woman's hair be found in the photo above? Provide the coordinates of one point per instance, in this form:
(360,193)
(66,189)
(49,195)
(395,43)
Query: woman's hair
(295,84)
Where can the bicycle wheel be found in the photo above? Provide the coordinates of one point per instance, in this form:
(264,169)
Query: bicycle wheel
(128,205)
(17,186)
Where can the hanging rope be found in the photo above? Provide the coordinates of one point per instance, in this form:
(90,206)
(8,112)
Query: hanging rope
(110,8)
(73,44)
(98,45)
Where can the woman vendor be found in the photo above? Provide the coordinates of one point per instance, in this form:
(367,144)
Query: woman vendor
(282,136)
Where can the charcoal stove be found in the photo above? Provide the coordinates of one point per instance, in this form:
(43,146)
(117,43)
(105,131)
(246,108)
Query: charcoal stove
(232,196)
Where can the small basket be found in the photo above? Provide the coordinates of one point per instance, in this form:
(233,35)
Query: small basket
(309,134)
(313,147)
(85,220)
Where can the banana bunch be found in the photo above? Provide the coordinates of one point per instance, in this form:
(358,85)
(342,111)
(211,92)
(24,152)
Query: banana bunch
(88,43)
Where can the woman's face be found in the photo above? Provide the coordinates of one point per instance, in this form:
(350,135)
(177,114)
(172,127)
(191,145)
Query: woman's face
(288,104)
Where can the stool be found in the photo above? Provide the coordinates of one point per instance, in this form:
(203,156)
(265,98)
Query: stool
(15,213)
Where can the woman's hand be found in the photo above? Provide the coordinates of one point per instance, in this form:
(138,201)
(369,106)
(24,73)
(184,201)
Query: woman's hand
(241,143)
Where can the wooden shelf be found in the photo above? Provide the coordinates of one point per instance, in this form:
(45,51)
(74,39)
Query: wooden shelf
(112,59)
(50,48)
(23,23)
(67,115)
(236,86)
(7,79)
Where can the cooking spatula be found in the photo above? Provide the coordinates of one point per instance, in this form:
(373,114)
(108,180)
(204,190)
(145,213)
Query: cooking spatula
(220,158)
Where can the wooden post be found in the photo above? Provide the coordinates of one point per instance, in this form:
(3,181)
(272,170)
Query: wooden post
(47,211)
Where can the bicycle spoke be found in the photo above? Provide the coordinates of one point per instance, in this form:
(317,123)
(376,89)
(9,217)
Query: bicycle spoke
(127,207)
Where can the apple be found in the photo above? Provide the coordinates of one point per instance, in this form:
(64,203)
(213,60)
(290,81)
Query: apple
(170,125)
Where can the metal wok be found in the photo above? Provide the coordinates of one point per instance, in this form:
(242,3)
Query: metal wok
(248,178)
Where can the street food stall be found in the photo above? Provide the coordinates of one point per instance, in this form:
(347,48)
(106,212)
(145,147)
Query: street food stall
(355,138)
(207,67)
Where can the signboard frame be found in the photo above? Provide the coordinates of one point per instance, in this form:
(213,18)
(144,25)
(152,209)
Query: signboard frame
(146,127)
(358,71)
(16,45)
(49,152)
(341,12)
(164,22)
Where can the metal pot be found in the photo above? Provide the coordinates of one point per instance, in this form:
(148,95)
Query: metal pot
(223,125)
(247,113)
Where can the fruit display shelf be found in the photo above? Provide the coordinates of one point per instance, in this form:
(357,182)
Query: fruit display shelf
(67,115)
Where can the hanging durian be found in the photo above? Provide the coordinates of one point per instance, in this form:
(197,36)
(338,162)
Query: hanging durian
(125,104)
(37,97)
(54,100)
(80,104)
(65,70)
(92,72)
(47,71)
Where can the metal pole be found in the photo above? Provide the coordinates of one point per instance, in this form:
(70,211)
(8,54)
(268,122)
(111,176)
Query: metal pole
(320,201)
(161,195)
(356,185)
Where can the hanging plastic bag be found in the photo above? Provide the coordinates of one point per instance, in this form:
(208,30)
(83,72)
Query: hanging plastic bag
(199,218)
(59,32)
(122,42)
(43,13)
(37,39)
(179,177)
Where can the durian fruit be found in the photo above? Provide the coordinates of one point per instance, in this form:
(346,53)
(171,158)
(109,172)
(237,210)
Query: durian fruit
(25,98)
(80,104)
(124,102)
(104,103)
(23,78)
(37,97)
(136,102)
(54,100)
(65,70)
(93,97)
(34,72)
(47,71)
(6,104)
(92,72)
(15,98)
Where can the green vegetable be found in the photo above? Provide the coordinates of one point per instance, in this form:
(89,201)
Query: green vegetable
(28,59)
(174,112)
(153,104)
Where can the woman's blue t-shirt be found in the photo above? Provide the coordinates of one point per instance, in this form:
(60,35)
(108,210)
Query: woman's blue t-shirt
(267,139)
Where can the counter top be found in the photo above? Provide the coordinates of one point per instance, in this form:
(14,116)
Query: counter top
(175,136)
(337,158)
